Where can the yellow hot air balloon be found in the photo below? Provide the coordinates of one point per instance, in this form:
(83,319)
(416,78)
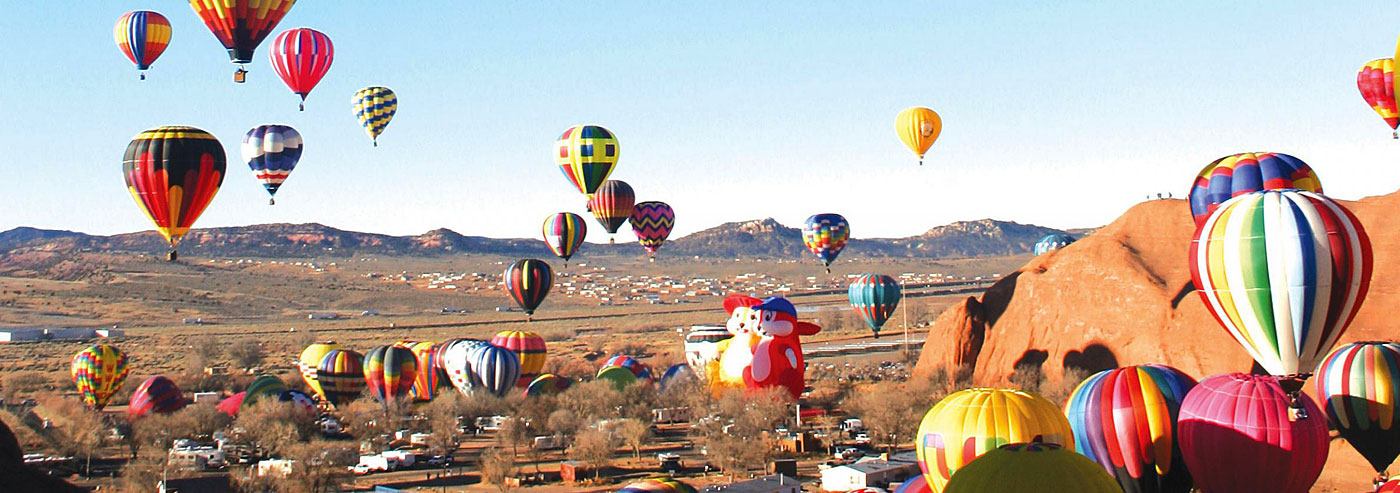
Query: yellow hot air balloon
(1032,467)
(969,423)
(918,127)
(310,359)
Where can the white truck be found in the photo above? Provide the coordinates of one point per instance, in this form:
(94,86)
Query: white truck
(403,458)
(377,463)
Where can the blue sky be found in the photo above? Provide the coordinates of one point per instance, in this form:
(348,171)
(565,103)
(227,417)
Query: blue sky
(1059,115)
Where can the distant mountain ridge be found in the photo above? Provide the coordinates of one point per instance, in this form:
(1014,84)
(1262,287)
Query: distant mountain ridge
(762,238)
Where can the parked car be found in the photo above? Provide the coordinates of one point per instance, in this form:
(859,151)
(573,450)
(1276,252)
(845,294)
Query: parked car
(849,453)
(440,460)
(863,439)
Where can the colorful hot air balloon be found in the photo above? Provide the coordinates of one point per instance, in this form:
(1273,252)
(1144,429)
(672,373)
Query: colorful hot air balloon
(529,347)
(547,384)
(425,381)
(1051,242)
(619,377)
(241,25)
(456,363)
(918,128)
(310,360)
(173,174)
(1125,419)
(677,374)
(874,297)
(1376,80)
(374,107)
(341,375)
(631,364)
(825,235)
(563,234)
(142,36)
(496,369)
(528,282)
(586,154)
(466,342)
(915,484)
(1284,272)
(156,394)
(612,205)
(1237,434)
(1359,385)
(390,372)
(1238,174)
(263,387)
(1390,486)
(299,400)
(1031,467)
(301,57)
(969,423)
(657,485)
(652,223)
(231,404)
(98,371)
(272,151)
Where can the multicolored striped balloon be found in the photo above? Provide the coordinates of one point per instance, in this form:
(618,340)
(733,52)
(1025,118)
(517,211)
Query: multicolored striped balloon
(1376,80)
(142,36)
(564,233)
(466,342)
(528,282)
(1125,420)
(310,359)
(529,347)
(301,57)
(874,297)
(496,369)
(263,387)
(156,394)
(241,25)
(658,485)
(272,151)
(586,154)
(631,364)
(619,377)
(1051,242)
(547,384)
(1284,272)
(341,374)
(98,371)
(426,379)
(374,107)
(825,236)
(390,372)
(915,484)
(1239,174)
(969,423)
(1359,385)
(652,223)
(173,173)
(1237,433)
(612,205)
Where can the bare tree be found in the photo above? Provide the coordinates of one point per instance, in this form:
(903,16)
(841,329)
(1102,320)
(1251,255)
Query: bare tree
(593,447)
(496,466)
(247,353)
(564,422)
(275,425)
(634,433)
(831,319)
(513,433)
(442,423)
(80,430)
(319,466)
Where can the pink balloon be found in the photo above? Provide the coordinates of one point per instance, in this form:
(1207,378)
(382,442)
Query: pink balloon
(1237,433)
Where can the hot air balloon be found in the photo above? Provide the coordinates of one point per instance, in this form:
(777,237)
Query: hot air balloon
(825,235)
(301,57)
(142,36)
(1237,434)
(529,347)
(310,360)
(677,374)
(1052,242)
(456,363)
(231,404)
(299,400)
(425,380)
(156,394)
(528,282)
(98,371)
(1390,486)
(612,205)
(969,423)
(1284,272)
(272,151)
(915,484)
(1238,174)
(1031,467)
(586,154)
(918,128)
(241,25)
(652,223)
(874,297)
(1125,419)
(173,174)
(563,234)
(341,375)
(465,341)
(374,107)
(1376,80)
(389,372)
(619,377)
(703,349)
(657,485)
(496,369)
(263,387)
(1359,385)
(631,364)
(547,384)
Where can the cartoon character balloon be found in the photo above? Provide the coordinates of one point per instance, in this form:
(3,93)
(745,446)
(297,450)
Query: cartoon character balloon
(1031,467)
(586,154)
(703,349)
(390,372)
(1376,80)
(564,233)
(777,356)
(735,353)
(652,223)
(1238,174)
(98,371)
(272,151)
(341,375)
(156,394)
(612,205)
(241,25)
(1359,384)
(173,174)
(918,127)
(1125,420)
(1237,434)
(529,347)
(1051,242)
(528,282)
(142,36)
(374,107)
(825,236)
(969,423)
(874,297)
(301,57)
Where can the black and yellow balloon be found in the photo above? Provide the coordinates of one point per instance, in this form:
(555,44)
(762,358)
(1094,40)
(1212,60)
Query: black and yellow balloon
(173,173)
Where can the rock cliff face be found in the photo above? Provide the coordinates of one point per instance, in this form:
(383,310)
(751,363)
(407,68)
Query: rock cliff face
(1122,296)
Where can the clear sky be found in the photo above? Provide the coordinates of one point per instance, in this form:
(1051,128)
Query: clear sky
(1062,115)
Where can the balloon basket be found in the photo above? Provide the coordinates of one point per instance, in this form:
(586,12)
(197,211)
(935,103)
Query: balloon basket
(271,201)
(1393,135)
(172,256)
(143,76)
(1293,385)
(376,143)
(301,106)
(240,76)
(612,241)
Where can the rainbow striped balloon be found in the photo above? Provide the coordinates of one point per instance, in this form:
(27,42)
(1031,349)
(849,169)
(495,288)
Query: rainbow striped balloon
(528,282)
(426,380)
(1376,80)
(98,371)
(652,223)
(1359,385)
(1284,272)
(564,233)
(1125,420)
(341,375)
(587,154)
(972,422)
(529,347)
(390,372)
(825,236)
(142,36)
(1238,174)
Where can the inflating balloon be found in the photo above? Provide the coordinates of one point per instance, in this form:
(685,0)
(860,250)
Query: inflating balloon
(456,363)
(612,205)
(529,347)
(678,375)
(619,377)
(586,154)
(241,25)
(98,371)
(299,400)
(156,394)
(969,423)
(874,297)
(495,369)
(425,380)
(173,174)
(1052,242)
(564,233)
(341,375)
(142,36)
(528,282)
(1239,174)
(390,372)
(231,404)
(263,387)
(1376,80)
(918,128)
(652,223)
(374,107)
(1031,467)
(825,236)
(272,151)
(1237,434)
(547,384)
(301,57)
(637,368)
(1125,419)
(657,485)
(1359,385)
(311,359)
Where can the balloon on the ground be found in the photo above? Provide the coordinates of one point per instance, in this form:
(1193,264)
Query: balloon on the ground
(156,394)
(1239,174)
(456,363)
(612,205)
(777,352)
(969,423)
(1238,433)
(652,223)
(529,347)
(703,349)
(658,485)
(677,375)
(310,360)
(874,297)
(173,173)
(299,400)
(619,377)
(825,235)
(1376,80)
(1052,242)
(547,384)
(263,387)
(231,404)
(1359,385)
(496,369)
(241,25)
(1390,486)
(98,371)
(425,380)
(633,365)
(467,342)
(374,107)
(1032,467)
(1125,420)
(528,282)
(564,233)
(586,154)
(914,484)
(390,372)
(142,36)
(301,57)
(918,127)
(1284,272)
(735,353)
(341,374)
(271,152)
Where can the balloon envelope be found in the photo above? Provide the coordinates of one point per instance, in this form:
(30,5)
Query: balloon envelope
(241,24)
(914,484)
(1032,467)
(271,152)
(547,384)
(1239,174)
(310,359)
(677,374)
(299,400)
(586,154)
(1052,242)
(918,127)
(156,394)
(1125,420)
(529,347)
(652,223)
(874,297)
(564,233)
(390,372)
(618,376)
(825,235)
(426,379)
(1359,385)
(612,204)
(301,57)
(263,387)
(496,369)
(1237,434)
(969,423)
(1376,80)
(658,485)
(142,36)
(342,376)
(231,404)
(374,107)
(173,173)
(98,371)
(637,368)
(528,282)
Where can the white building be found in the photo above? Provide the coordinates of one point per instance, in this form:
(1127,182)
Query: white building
(773,483)
(18,334)
(870,473)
